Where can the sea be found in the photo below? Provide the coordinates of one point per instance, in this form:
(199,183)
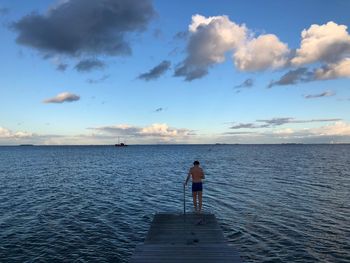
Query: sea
(274,203)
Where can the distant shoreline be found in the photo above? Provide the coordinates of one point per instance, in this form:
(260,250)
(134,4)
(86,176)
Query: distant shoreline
(214,144)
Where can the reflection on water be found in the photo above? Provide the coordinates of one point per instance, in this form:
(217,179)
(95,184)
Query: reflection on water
(275,203)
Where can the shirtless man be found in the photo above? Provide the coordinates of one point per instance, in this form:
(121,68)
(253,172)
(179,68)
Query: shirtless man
(197,175)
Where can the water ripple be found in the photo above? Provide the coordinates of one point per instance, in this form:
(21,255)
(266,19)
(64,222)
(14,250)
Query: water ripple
(275,203)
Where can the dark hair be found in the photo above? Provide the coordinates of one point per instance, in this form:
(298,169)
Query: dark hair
(195,163)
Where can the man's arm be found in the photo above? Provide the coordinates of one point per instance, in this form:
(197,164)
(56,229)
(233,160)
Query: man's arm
(203,176)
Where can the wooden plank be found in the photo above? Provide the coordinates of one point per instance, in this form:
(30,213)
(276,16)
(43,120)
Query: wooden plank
(185,254)
(177,228)
(190,238)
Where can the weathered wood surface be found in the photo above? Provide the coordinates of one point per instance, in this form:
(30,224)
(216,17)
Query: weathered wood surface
(190,238)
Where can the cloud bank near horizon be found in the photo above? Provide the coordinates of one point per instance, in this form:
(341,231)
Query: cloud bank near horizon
(271,123)
(159,130)
(153,134)
(335,131)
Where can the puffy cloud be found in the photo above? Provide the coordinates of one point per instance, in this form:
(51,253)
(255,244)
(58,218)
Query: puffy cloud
(9,134)
(160,130)
(263,52)
(76,27)
(86,65)
(327,93)
(63,97)
(334,70)
(210,38)
(328,44)
(323,43)
(337,128)
(9,137)
(4,132)
(156,72)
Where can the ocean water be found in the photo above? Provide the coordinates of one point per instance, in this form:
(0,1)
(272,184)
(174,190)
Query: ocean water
(275,203)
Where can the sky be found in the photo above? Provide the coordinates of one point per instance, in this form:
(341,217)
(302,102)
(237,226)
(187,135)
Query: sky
(174,72)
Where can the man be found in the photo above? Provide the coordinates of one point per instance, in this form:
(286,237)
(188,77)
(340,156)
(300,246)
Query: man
(197,175)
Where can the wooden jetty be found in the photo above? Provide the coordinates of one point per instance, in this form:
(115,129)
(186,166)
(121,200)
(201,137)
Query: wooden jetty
(185,238)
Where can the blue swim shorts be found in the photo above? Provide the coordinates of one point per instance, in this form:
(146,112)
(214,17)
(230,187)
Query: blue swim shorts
(197,187)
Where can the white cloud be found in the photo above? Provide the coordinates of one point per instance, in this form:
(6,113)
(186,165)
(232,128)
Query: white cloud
(338,128)
(161,130)
(286,131)
(261,53)
(63,97)
(222,34)
(328,46)
(4,133)
(211,38)
(156,131)
(334,70)
(338,131)
(9,134)
(9,137)
(326,43)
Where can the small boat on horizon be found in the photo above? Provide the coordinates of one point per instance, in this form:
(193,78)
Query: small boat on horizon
(120,144)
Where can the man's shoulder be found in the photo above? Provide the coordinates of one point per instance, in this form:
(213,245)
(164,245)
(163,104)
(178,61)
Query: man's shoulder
(197,169)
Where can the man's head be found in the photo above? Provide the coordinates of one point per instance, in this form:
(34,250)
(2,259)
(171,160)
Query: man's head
(196,163)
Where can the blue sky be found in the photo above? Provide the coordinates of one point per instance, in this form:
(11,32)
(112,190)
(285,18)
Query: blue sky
(174,72)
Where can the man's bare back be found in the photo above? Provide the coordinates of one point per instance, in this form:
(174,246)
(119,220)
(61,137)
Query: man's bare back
(197,174)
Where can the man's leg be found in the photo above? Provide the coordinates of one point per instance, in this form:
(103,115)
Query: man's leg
(194,195)
(200,200)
